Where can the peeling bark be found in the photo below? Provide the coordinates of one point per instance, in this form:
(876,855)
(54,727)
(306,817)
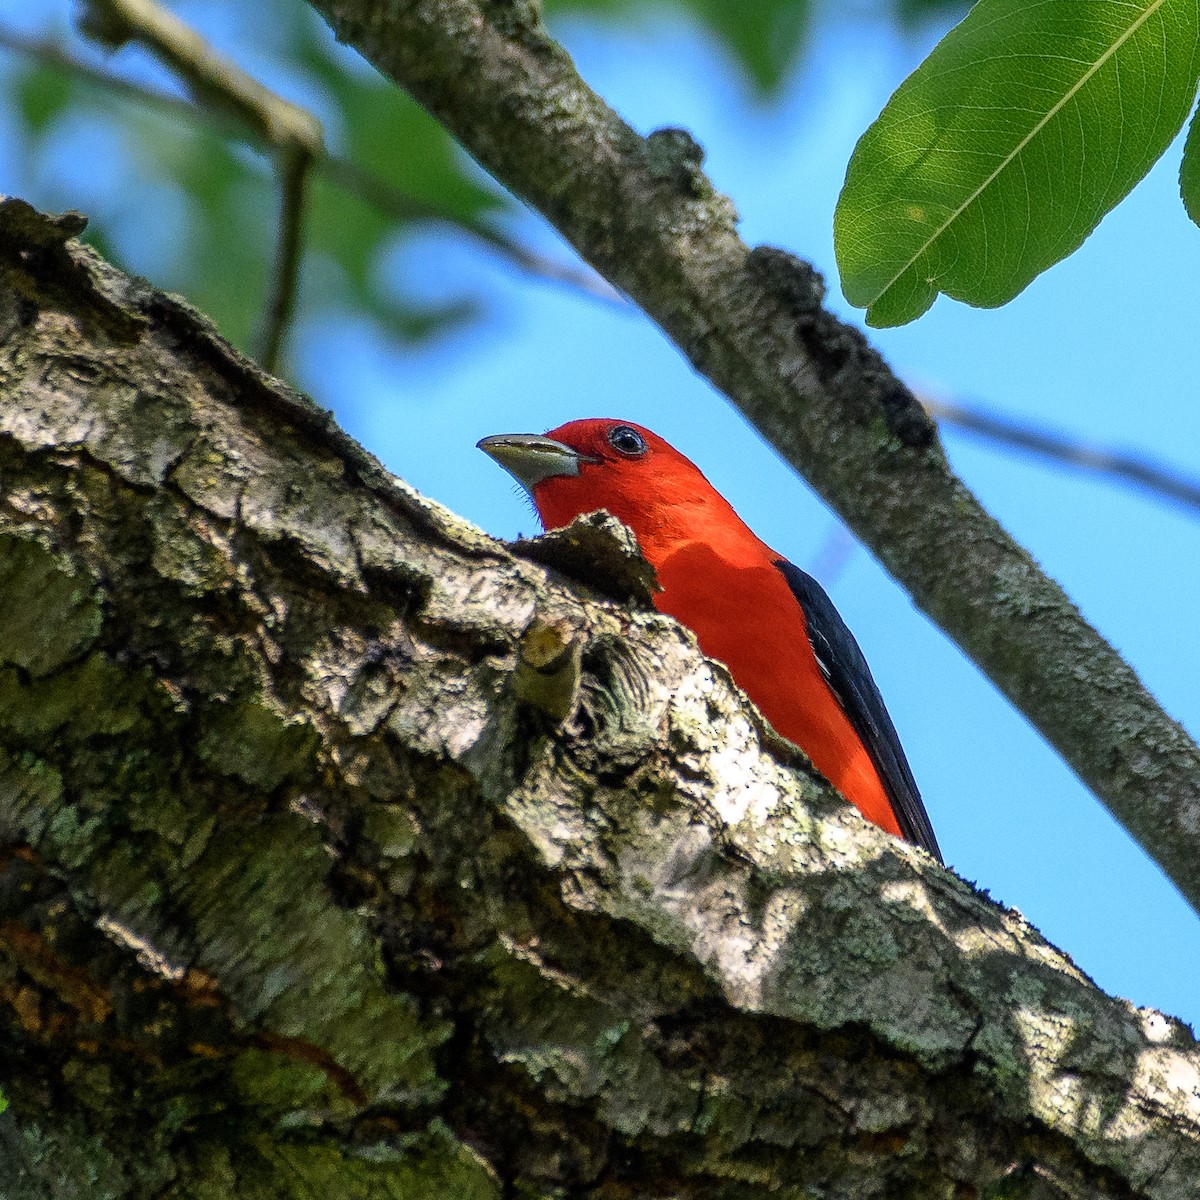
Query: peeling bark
(644,214)
(304,889)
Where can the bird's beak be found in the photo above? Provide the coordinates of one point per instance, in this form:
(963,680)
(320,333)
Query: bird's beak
(529,458)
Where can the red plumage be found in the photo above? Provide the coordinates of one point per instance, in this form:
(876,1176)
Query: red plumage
(768,622)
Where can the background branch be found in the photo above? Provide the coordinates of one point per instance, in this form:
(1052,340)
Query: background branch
(213,79)
(643,212)
(1126,466)
(292,167)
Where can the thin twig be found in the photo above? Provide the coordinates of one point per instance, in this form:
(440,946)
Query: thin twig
(404,206)
(342,173)
(294,166)
(1125,465)
(214,80)
(294,134)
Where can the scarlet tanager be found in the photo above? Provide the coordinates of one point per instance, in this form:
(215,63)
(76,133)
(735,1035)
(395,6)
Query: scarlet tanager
(769,622)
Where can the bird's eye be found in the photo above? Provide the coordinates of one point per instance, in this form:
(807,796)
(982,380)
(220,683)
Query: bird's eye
(627,441)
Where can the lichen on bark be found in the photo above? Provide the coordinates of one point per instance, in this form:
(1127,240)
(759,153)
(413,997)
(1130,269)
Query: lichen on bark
(302,892)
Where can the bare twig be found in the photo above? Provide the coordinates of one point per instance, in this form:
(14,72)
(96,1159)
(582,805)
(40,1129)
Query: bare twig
(217,82)
(213,79)
(1156,478)
(293,175)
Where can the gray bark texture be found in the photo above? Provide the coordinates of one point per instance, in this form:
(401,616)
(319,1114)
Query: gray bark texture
(345,851)
(642,211)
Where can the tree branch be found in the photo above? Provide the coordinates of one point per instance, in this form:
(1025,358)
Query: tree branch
(214,80)
(1125,466)
(308,888)
(645,215)
(292,167)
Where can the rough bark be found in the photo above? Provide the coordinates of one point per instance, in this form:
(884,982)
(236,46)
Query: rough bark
(346,852)
(644,214)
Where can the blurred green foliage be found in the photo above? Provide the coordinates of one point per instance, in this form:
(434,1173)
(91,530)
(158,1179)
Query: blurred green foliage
(765,38)
(214,200)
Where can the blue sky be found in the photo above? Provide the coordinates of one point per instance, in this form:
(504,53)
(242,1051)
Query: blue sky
(1104,345)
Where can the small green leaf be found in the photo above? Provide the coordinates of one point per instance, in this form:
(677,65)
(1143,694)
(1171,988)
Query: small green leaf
(1189,170)
(1002,151)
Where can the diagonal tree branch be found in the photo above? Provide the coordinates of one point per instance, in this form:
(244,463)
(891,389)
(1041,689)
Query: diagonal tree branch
(309,888)
(643,213)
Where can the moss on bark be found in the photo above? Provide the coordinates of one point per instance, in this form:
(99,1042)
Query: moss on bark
(299,893)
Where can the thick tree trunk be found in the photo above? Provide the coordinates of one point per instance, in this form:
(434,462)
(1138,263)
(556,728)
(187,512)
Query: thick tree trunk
(347,852)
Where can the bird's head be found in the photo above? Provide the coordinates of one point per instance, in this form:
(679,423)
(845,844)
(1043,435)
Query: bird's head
(599,463)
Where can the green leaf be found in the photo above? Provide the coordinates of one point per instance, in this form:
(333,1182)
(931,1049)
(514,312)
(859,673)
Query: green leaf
(1189,170)
(1002,151)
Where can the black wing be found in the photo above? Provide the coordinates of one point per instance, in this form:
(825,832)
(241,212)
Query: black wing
(851,682)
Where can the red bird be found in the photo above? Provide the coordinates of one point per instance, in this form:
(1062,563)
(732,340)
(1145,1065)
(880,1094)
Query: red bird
(769,622)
